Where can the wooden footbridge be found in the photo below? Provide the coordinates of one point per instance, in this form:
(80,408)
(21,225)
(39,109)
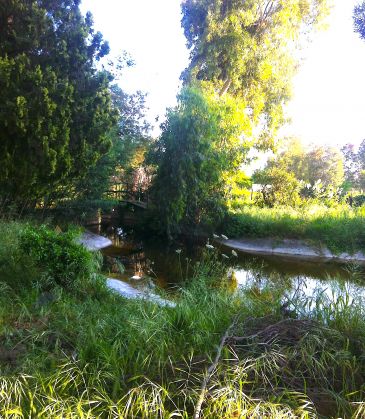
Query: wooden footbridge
(128,194)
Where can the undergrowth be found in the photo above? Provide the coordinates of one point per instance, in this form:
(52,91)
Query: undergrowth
(94,354)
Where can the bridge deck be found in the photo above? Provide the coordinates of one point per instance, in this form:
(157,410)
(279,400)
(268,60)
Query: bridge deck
(139,204)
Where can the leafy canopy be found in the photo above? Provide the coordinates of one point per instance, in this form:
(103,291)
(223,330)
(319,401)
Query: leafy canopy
(129,141)
(278,187)
(56,110)
(316,171)
(235,87)
(200,147)
(245,48)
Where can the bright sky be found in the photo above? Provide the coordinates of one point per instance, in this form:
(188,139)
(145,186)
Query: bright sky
(329,91)
(328,105)
(150,31)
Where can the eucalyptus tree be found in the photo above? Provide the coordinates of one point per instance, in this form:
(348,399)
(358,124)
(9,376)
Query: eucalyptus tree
(55,107)
(247,48)
(242,58)
(359,19)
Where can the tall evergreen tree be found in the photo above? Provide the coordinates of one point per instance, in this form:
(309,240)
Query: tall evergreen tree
(55,108)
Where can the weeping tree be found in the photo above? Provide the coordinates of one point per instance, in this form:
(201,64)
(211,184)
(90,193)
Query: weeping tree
(55,107)
(241,63)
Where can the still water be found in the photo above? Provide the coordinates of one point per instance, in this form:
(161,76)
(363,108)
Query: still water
(147,264)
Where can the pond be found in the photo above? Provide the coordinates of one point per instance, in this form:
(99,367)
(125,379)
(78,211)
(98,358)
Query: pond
(147,264)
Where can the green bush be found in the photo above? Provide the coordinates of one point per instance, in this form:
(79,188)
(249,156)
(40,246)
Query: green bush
(59,258)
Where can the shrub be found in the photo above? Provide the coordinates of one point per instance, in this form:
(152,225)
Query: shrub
(278,187)
(60,259)
(358,201)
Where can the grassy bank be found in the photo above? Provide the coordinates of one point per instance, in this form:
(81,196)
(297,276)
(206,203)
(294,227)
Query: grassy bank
(72,352)
(341,229)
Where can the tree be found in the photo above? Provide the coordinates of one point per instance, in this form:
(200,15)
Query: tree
(324,164)
(245,48)
(55,112)
(361,155)
(316,163)
(237,81)
(351,165)
(278,187)
(292,158)
(316,172)
(129,142)
(133,128)
(359,25)
(359,19)
(199,148)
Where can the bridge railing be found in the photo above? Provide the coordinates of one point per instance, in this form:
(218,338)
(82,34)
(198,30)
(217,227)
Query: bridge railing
(125,192)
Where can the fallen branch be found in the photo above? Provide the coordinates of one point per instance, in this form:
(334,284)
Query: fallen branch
(210,371)
(275,330)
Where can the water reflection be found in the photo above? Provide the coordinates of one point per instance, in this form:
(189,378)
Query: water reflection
(303,293)
(149,263)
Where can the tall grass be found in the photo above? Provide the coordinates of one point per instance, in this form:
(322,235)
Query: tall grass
(341,229)
(94,354)
(117,358)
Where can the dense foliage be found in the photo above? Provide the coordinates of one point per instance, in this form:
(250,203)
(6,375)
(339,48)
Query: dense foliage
(129,140)
(199,149)
(245,49)
(94,354)
(56,109)
(354,163)
(299,173)
(277,187)
(241,62)
(60,260)
(43,258)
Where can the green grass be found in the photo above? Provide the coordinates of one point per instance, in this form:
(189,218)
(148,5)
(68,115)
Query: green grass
(94,354)
(341,229)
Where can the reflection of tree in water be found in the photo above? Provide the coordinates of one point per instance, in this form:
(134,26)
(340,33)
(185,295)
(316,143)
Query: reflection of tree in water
(297,284)
(141,265)
(299,294)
